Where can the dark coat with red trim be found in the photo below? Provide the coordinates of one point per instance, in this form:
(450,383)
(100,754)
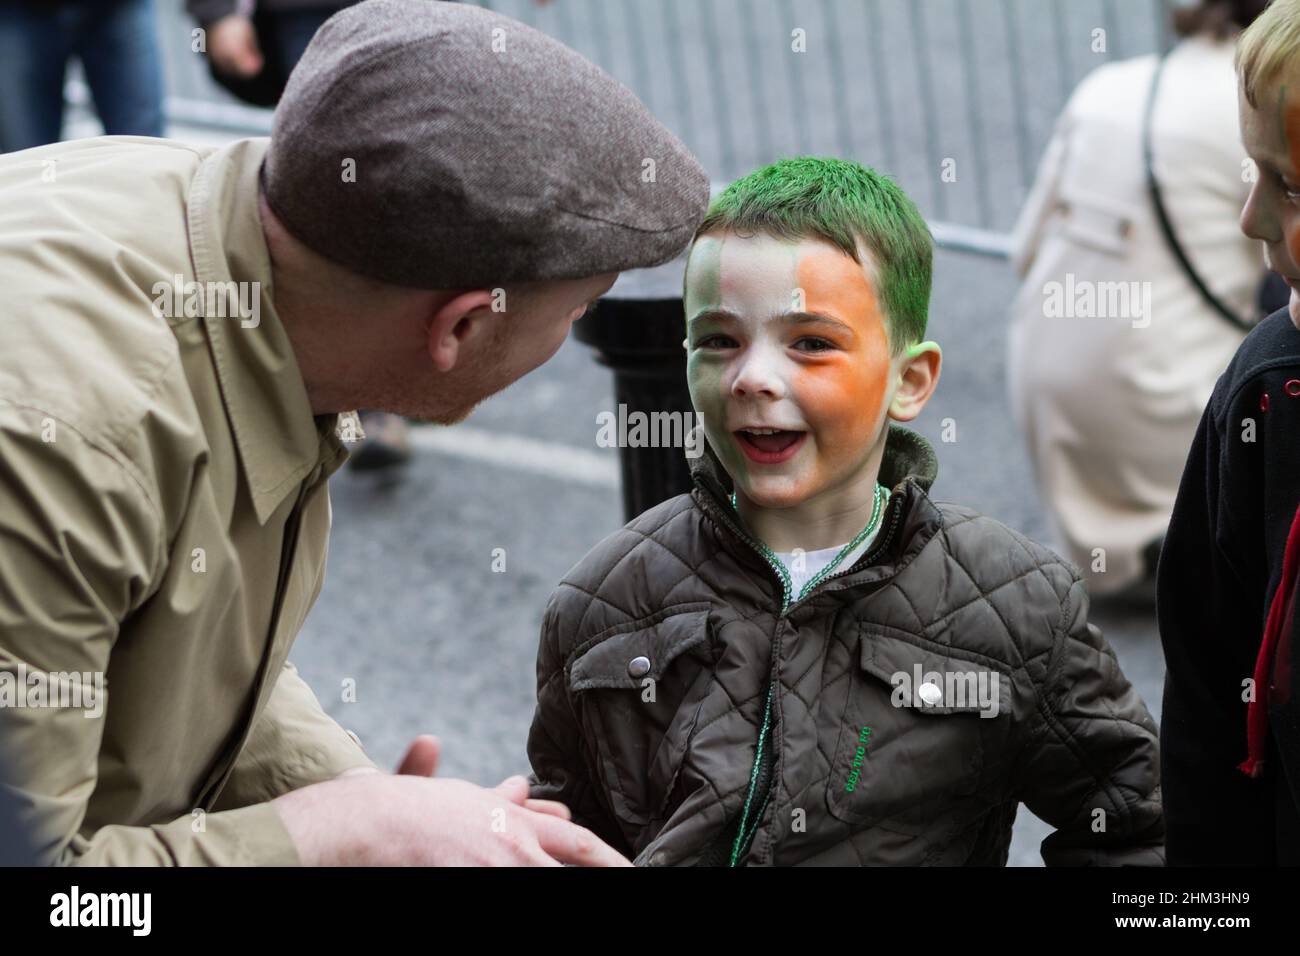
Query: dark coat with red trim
(657,650)
(1219,574)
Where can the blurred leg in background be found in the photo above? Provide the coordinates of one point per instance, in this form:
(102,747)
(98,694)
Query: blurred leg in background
(34,51)
(117,44)
(116,41)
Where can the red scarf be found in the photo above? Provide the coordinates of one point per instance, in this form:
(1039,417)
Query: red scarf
(1280,622)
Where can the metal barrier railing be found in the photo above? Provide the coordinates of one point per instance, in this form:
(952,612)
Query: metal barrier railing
(953,98)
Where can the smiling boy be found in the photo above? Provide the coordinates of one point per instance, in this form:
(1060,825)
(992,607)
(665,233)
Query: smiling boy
(731,679)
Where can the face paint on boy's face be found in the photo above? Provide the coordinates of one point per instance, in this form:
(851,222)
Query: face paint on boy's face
(1289,121)
(1271,135)
(758,357)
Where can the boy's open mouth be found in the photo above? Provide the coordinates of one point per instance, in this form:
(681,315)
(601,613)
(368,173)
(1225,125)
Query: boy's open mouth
(769,446)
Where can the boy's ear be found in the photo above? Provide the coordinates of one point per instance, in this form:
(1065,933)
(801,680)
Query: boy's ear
(918,375)
(454,323)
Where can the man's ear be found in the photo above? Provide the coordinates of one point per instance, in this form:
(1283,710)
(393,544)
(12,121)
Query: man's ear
(919,374)
(455,322)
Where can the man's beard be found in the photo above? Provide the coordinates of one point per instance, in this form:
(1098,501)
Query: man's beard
(452,416)
(421,409)
(461,395)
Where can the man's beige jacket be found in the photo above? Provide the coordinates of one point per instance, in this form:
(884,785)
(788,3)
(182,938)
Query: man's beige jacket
(164,513)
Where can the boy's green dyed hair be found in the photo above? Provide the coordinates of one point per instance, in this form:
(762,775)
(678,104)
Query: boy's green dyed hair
(844,203)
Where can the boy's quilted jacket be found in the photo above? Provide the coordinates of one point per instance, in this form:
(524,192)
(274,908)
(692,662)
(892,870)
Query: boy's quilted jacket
(670,649)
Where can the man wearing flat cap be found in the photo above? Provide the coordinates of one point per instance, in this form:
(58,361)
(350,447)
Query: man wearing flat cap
(444,192)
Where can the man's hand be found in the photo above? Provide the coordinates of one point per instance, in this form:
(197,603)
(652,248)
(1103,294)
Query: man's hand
(232,45)
(367,818)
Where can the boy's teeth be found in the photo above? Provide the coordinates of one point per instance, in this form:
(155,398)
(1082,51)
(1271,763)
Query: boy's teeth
(769,439)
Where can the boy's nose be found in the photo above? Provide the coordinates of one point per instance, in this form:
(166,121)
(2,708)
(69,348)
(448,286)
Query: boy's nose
(1258,219)
(757,379)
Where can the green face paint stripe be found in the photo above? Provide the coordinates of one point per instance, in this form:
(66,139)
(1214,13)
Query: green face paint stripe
(709,278)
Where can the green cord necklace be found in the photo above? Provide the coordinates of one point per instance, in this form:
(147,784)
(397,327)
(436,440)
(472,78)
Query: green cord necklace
(880,496)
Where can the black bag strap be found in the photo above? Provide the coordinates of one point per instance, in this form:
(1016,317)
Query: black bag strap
(1162,215)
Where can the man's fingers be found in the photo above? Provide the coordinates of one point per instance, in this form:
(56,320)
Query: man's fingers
(570,843)
(514,789)
(534,855)
(421,758)
(550,807)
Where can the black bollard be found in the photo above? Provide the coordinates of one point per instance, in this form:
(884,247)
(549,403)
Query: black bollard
(641,341)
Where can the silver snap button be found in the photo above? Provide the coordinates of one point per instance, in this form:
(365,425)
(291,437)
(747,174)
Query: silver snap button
(930,693)
(638,666)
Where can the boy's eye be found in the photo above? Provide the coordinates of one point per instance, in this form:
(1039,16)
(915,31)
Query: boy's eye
(1288,189)
(822,344)
(715,341)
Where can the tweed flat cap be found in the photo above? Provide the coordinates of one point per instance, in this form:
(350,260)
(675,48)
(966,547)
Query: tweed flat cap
(441,145)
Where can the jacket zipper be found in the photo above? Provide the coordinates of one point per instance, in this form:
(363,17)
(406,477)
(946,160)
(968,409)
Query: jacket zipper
(740,533)
(742,843)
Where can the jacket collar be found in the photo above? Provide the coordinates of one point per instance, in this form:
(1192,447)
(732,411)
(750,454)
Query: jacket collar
(280,441)
(909,468)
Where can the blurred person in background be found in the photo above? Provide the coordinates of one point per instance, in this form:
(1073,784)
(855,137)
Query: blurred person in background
(252,45)
(1120,329)
(117,44)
